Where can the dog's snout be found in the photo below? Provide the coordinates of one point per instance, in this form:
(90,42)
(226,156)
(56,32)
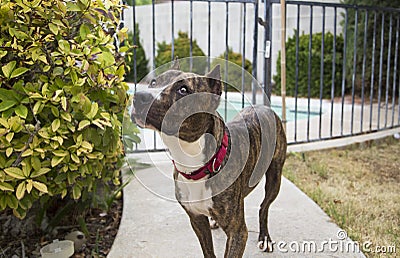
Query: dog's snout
(142,98)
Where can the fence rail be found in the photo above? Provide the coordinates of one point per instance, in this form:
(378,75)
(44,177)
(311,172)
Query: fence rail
(343,60)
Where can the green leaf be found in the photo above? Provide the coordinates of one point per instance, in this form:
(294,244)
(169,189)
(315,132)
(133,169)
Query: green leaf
(76,192)
(73,7)
(19,71)
(40,172)
(106,59)
(12,201)
(36,164)
(53,28)
(14,172)
(40,186)
(83,124)
(6,187)
(21,190)
(8,68)
(84,31)
(21,111)
(57,71)
(93,111)
(55,125)
(7,104)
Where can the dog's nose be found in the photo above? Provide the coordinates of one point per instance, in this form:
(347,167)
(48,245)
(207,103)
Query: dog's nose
(142,99)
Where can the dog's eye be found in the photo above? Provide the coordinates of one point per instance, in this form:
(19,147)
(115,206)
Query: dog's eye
(153,83)
(183,90)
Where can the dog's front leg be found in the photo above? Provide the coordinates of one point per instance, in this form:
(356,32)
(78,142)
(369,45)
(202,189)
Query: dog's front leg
(202,229)
(236,243)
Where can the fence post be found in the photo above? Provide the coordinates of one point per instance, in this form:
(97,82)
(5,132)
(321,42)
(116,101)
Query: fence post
(267,49)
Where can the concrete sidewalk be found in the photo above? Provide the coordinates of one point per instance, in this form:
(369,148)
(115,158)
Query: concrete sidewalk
(154,225)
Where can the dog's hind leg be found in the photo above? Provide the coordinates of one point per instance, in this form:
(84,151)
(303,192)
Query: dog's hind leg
(202,229)
(272,185)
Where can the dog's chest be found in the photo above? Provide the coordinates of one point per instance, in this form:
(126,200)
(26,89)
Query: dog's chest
(194,195)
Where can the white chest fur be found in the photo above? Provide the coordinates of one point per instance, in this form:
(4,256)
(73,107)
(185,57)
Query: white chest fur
(194,195)
(188,157)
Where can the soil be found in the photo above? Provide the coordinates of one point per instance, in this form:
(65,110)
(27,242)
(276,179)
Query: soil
(22,238)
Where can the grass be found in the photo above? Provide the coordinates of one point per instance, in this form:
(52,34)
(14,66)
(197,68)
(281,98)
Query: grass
(357,186)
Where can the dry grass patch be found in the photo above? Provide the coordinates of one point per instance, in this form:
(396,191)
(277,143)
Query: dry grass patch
(357,186)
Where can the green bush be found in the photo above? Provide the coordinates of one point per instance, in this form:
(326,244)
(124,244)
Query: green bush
(234,78)
(141,62)
(181,50)
(303,55)
(62,100)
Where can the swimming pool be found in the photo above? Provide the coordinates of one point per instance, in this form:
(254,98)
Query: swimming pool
(233,107)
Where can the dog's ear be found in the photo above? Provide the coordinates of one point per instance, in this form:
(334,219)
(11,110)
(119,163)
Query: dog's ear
(214,80)
(175,65)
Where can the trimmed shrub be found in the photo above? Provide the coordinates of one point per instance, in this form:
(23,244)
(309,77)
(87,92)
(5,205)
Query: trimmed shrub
(62,100)
(303,54)
(181,50)
(141,62)
(234,78)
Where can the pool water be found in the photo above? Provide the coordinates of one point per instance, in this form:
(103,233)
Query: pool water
(234,107)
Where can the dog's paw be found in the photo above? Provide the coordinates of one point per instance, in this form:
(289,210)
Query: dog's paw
(266,245)
(213,224)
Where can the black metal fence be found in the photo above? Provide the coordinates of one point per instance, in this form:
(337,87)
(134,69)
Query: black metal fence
(343,60)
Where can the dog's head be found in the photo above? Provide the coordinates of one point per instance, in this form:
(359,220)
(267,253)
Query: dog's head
(179,103)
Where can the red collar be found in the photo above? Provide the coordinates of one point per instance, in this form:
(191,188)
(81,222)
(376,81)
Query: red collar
(213,166)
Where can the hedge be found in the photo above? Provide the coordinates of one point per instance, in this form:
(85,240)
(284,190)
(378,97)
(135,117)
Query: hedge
(181,50)
(303,57)
(62,100)
(141,61)
(234,78)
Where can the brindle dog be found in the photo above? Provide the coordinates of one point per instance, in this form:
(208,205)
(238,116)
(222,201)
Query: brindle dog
(182,108)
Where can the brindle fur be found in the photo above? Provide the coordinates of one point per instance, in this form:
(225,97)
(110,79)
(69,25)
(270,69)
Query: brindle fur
(228,206)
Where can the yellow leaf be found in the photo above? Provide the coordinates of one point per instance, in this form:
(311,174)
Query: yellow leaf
(87,145)
(40,186)
(66,117)
(21,190)
(29,185)
(60,153)
(75,158)
(9,151)
(9,136)
(53,28)
(40,172)
(14,172)
(64,103)
(27,153)
(83,124)
(55,125)
(56,160)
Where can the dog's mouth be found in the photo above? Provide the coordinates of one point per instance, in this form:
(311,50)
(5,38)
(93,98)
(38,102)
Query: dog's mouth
(146,120)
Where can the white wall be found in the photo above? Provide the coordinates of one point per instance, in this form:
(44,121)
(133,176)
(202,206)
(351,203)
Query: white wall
(163,28)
